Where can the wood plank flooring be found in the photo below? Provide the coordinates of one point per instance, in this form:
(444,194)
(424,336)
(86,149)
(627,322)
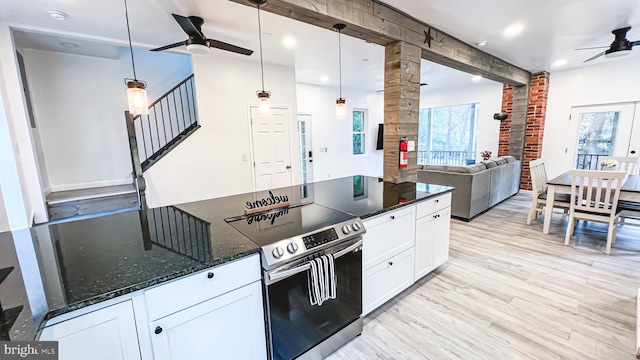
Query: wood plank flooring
(510,292)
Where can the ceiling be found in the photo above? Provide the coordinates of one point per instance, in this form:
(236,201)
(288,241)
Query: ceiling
(552,29)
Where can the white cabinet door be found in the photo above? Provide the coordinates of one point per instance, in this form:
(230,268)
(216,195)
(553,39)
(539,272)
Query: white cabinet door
(230,326)
(425,230)
(105,334)
(387,235)
(441,237)
(432,241)
(386,280)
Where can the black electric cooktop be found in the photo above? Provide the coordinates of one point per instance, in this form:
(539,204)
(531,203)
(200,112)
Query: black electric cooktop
(279,224)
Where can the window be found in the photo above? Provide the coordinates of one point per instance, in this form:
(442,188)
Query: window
(359,124)
(447,135)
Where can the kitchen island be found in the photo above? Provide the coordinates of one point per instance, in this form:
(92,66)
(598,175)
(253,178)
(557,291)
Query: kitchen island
(53,273)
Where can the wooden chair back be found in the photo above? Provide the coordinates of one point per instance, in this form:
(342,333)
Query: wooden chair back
(538,176)
(596,191)
(630,165)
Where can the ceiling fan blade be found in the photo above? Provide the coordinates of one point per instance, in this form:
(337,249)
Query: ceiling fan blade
(170,46)
(594,57)
(634,43)
(188,27)
(592,48)
(228,47)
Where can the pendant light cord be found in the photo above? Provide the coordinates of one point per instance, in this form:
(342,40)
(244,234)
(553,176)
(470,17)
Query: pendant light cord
(133,63)
(260,38)
(340,59)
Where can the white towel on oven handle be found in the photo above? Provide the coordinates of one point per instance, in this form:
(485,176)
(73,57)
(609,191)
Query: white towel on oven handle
(322,282)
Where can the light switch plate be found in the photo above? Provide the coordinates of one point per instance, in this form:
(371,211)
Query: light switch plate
(323,149)
(411,146)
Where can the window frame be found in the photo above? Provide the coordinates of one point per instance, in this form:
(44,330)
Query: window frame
(363,133)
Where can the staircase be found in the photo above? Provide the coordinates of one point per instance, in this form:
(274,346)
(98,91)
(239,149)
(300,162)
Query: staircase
(171,119)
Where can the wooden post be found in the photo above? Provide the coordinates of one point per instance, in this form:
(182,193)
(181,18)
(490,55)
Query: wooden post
(401,108)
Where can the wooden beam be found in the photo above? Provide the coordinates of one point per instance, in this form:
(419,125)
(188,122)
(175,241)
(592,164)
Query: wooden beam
(381,24)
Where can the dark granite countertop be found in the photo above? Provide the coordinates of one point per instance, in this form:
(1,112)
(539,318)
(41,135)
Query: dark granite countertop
(50,270)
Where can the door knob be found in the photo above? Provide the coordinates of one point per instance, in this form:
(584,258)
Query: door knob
(288,167)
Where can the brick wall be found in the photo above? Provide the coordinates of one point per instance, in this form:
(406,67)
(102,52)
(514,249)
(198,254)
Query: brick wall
(536,112)
(505,126)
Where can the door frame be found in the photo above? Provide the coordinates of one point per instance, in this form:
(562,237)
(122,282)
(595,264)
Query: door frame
(571,147)
(293,142)
(310,132)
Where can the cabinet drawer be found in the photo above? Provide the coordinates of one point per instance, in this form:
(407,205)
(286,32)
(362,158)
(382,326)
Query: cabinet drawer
(387,279)
(174,296)
(432,205)
(387,235)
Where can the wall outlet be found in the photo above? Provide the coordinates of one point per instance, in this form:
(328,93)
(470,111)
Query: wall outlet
(411,146)
(323,149)
(245,157)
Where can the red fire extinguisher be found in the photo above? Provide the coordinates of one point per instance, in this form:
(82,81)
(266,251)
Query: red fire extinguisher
(404,153)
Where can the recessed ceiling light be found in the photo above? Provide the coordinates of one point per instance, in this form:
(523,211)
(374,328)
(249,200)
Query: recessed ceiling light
(324,79)
(69,45)
(513,30)
(58,15)
(560,62)
(365,60)
(289,42)
(476,78)
(481,43)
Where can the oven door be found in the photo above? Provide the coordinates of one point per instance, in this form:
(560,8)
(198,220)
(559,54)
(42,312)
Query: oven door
(295,325)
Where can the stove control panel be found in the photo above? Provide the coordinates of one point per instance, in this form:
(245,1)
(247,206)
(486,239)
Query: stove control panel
(320,238)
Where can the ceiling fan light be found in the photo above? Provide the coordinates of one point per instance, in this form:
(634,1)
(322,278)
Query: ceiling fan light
(198,49)
(137,98)
(619,53)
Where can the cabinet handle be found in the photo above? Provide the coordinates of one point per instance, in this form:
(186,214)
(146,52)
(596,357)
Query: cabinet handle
(435,216)
(210,275)
(437,200)
(390,263)
(392,217)
(158,330)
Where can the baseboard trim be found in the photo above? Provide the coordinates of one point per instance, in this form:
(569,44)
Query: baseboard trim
(90,185)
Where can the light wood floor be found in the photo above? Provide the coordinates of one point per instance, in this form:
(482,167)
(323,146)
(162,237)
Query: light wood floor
(510,292)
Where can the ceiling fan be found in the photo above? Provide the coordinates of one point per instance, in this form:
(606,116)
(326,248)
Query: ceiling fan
(619,47)
(197,43)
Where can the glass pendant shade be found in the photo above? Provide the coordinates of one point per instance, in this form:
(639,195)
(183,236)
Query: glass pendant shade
(264,103)
(137,96)
(341,109)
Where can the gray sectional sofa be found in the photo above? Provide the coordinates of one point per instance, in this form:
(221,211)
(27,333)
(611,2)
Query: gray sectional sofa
(478,187)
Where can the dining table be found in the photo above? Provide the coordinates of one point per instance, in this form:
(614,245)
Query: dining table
(630,191)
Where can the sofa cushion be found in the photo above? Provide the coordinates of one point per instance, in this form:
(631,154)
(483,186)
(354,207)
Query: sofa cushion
(489,163)
(509,158)
(434,167)
(501,161)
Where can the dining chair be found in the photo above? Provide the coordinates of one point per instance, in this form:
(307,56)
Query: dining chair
(539,199)
(596,196)
(629,164)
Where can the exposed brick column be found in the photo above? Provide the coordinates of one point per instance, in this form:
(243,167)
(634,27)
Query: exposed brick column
(505,126)
(534,128)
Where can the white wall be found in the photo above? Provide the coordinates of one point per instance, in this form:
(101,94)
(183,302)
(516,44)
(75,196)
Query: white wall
(210,162)
(79,103)
(337,136)
(489,98)
(610,82)
(4,220)
(19,173)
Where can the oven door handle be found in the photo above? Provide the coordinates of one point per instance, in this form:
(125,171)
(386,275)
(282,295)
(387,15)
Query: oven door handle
(279,275)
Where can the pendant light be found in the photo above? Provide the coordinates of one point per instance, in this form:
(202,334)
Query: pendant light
(136,89)
(341,103)
(264,104)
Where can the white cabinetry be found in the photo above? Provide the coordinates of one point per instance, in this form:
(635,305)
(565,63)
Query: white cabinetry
(229,326)
(432,234)
(216,313)
(387,256)
(105,334)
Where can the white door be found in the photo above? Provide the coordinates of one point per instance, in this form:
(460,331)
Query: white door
(305,148)
(271,148)
(441,235)
(602,130)
(105,334)
(230,326)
